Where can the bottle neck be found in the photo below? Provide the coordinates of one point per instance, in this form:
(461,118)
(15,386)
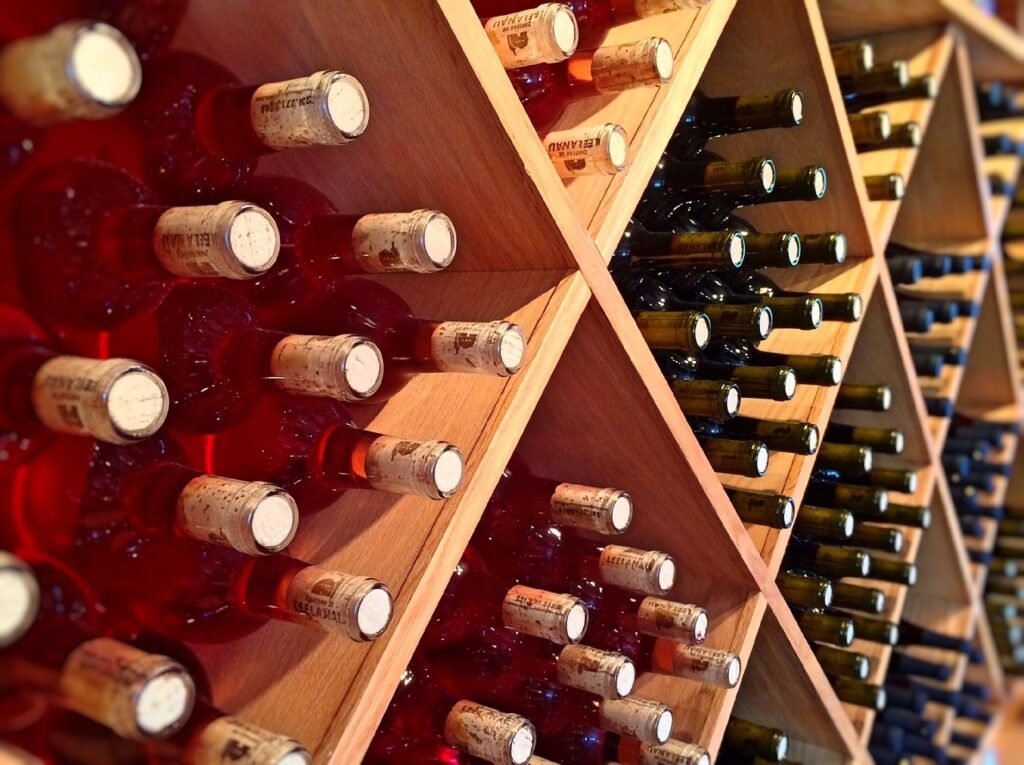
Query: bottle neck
(495,348)
(722,180)
(712,117)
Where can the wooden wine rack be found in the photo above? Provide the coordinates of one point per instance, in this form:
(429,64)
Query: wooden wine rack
(447,131)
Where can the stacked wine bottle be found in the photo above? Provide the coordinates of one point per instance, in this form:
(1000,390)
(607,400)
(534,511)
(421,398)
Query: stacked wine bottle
(182,343)
(538,639)
(554,57)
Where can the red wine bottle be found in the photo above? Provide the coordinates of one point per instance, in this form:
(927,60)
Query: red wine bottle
(67,656)
(547,89)
(319,244)
(311,448)
(209,594)
(60,89)
(409,345)
(146,488)
(218,360)
(424,724)
(205,131)
(707,117)
(118,401)
(95,247)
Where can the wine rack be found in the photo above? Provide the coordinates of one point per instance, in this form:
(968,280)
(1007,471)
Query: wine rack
(591,405)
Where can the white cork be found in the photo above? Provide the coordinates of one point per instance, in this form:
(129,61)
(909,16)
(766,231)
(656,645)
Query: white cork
(642,719)
(431,469)
(604,511)
(495,348)
(242,743)
(498,737)
(797,108)
(374,612)
(817,313)
(161,702)
(682,622)
(647,571)
(78,70)
(19,599)
(357,606)
(593,150)
(793,249)
(789,507)
(856,306)
(324,109)
(847,525)
(343,367)
(546,34)
(559,618)
(789,384)
(813,439)
(673,752)
(617,68)
(706,665)
(768,176)
(118,400)
(421,241)
(603,673)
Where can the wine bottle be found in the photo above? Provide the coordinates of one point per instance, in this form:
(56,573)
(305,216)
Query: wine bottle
(885,188)
(905,269)
(915,317)
(95,247)
(874,630)
(858,693)
(763,508)
(66,656)
(879,93)
(891,74)
(897,480)
(903,135)
(708,117)
(220,595)
(882,440)
(847,459)
(828,560)
(824,523)
(747,739)
(593,746)
(1000,143)
(871,398)
(932,264)
(320,245)
(748,458)
(905,664)
(425,724)
(706,288)
(646,294)
(869,500)
(706,180)
(217,359)
(59,90)
(824,627)
(999,186)
(810,369)
(888,570)
(839,663)
(523,499)
(641,248)
(846,307)
(205,131)
(870,127)
(853,59)
(927,363)
(147,489)
(909,721)
(943,311)
(547,89)
(881,538)
(952,355)
(805,590)
(118,401)
(912,634)
(791,436)
(588,150)
(774,383)
(828,249)
(855,597)
(632,624)
(702,664)
(938,407)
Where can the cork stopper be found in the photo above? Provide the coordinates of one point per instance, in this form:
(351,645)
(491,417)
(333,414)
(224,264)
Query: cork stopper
(604,673)
(616,68)
(19,599)
(647,571)
(642,719)
(491,348)
(552,616)
(604,511)
(136,694)
(326,108)
(252,517)
(673,752)
(357,606)
(243,743)
(421,241)
(234,240)
(343,367)
(78,70)
(497,737)
(676,621)
(593,150)
(118,401)
(736,248)
(546,34)
(706,665)
(431,469)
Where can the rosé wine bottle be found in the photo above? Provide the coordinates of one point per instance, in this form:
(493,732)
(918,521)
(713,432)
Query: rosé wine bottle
(523,500)
(64,653)
(218,361)
(117,401)
(78,493)
(409,345)
(547,89)
(319,244)
(205,131)
(204,593)
(595,17)
(95,247)
(426,725)
(61,91)
(582,744)
(312,448)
